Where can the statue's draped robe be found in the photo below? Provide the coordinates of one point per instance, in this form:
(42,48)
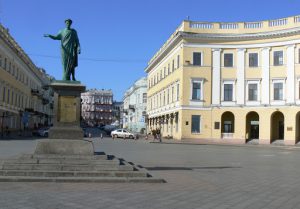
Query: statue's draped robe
(69,50)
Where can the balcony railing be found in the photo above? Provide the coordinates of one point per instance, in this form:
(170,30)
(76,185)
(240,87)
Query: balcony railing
(132,107)
(35,92)
(227,135)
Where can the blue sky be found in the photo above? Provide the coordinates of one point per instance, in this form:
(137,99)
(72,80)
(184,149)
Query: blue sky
(118,37)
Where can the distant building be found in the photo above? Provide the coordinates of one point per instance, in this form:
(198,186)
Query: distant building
(135,103)
(26,101)
(118,114)
(97,107)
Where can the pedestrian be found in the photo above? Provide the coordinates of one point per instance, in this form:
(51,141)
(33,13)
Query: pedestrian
(101,135)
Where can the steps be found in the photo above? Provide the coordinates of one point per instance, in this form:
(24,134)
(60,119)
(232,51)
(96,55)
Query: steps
(72,168)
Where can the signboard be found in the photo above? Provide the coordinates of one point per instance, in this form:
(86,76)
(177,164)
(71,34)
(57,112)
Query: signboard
(254,122)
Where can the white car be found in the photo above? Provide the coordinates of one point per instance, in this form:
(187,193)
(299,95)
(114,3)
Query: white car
(123,133)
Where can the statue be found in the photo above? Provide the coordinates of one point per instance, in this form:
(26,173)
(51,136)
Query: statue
(70,48)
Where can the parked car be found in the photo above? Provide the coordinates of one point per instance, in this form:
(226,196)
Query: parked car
(43,132)
(123,133)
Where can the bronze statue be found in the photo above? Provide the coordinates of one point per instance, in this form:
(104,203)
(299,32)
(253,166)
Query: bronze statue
(70,48)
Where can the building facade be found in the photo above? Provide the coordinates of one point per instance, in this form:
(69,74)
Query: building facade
(26,101)
(97,107)
(228,82)
(135,102)
(118,114)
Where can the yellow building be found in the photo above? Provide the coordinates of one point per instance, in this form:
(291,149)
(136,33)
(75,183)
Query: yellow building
(228,82)
(25,99)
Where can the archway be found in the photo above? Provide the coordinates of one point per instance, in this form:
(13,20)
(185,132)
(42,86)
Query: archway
(252,126)
(227,121)
(277,126)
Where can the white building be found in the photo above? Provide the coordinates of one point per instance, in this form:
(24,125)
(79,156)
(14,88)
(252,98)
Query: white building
(135,102)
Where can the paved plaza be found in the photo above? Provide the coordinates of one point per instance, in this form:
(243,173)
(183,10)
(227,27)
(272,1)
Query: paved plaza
(198,176)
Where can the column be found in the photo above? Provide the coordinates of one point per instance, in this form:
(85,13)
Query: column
(216,76)
(290,81)
(240,85)
(265,82)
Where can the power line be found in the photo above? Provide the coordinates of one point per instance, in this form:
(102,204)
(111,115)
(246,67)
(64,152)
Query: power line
(94,59)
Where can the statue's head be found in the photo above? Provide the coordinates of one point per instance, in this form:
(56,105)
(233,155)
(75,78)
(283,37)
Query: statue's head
(68,23)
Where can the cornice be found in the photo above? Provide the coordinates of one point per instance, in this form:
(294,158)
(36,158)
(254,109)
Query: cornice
(245,36)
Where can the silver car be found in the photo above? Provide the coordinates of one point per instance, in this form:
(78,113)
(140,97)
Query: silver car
(123,133)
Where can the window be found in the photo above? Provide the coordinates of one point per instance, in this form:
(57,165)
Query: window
(168,96)
(178,61)
(177,96)
(299,55)
(173,65)
(252,92)
(8,92)
(164,98)
(299,89)
(278,91)
(145,98)
(165,73)
(228,60)
(253,60)
(168,69)
(195,124)
(228,91)
(228,127)
(197,58)
(196,92)
(172,94)
(4,91)
(278,58)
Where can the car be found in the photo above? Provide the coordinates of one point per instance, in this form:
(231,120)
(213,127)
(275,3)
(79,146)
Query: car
(123,133)
(43,132)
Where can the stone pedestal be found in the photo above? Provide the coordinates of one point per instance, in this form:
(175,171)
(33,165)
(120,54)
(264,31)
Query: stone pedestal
(66,122)
(66,135)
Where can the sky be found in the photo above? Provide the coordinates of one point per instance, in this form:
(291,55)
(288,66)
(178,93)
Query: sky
(119,37)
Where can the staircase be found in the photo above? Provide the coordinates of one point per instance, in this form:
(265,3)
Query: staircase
(72,168)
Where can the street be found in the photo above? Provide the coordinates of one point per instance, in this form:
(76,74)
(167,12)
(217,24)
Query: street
(198,176)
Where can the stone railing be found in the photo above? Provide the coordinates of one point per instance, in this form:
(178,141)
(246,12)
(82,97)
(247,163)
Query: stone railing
(227,135)
(228,25)
(253,25)
(278,22)
(201,25)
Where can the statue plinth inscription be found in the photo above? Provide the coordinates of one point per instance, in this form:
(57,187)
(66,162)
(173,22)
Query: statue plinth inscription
(67,109)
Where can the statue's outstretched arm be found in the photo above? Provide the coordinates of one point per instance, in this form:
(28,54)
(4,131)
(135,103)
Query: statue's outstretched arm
(57,37)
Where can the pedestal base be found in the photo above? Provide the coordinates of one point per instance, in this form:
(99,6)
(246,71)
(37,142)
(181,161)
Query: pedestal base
(64,147)
(65,132)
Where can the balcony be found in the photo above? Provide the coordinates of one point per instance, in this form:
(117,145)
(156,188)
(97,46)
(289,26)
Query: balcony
(35,92)
(132,107)
(45,101)
(45,87)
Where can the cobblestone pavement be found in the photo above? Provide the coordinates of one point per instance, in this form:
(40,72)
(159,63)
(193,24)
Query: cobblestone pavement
(198,176)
